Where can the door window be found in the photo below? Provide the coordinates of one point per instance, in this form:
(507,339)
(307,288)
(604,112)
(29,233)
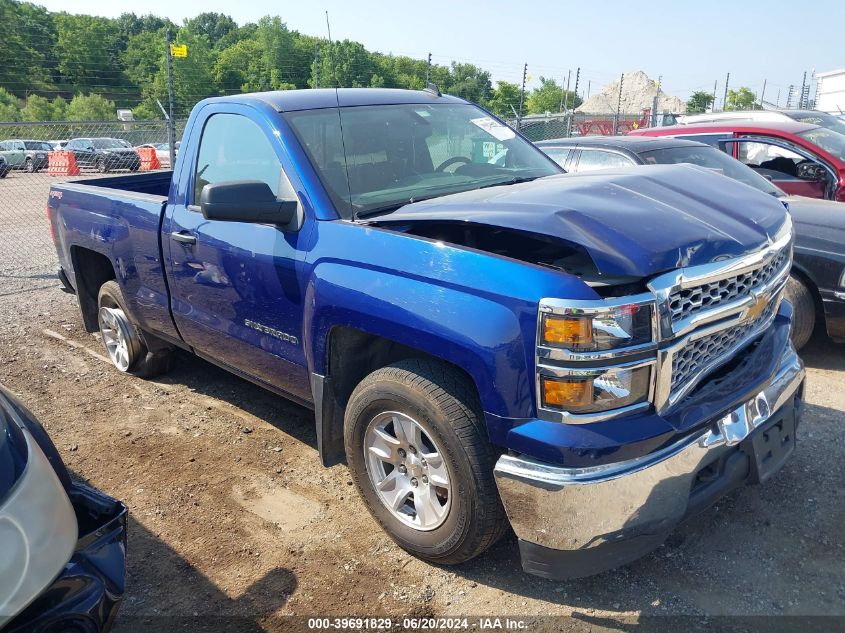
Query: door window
(593,159)
(770,160)
(233,148)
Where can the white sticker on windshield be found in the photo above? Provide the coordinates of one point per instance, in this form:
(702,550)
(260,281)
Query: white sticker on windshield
(494,128)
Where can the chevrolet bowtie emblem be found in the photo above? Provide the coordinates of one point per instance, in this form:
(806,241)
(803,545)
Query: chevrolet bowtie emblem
(757,308)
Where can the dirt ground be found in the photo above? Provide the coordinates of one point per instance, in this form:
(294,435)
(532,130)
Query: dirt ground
(231,514)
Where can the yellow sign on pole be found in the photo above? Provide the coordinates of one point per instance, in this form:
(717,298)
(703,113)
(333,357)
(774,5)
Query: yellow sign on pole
(179,50)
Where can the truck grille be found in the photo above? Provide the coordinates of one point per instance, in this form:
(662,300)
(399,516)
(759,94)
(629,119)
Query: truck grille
(689,301)
(702,354)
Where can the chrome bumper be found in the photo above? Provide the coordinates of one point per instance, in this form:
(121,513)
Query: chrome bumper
(609,515)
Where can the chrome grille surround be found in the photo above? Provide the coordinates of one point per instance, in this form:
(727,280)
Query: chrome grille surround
(688,344)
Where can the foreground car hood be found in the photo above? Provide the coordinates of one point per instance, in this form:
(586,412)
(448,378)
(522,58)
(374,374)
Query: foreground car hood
(633,222)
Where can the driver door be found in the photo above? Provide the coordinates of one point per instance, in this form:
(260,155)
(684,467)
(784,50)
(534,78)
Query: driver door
(797,173)
(237,288)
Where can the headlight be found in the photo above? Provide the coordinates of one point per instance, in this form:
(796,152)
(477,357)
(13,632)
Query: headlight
(598,329)
(595,390)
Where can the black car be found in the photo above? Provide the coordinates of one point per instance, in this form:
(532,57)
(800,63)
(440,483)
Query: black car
(104,154)
(62,543)
(816,287)
(4,167)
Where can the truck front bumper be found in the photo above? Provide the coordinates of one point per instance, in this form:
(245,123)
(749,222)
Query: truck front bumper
(575,522)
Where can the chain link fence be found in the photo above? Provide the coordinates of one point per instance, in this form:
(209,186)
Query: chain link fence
(27,254)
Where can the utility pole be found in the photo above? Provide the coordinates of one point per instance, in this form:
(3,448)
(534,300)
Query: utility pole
(428,69)
(777,101)
(316,65)
(803,88)
(713,107)
(522,93)
(574,96)
(618,106)
(655,102)
(725,100)
(763,94)
(171,125)
(789,93)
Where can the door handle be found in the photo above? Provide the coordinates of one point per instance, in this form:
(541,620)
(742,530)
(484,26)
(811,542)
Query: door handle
(183,238)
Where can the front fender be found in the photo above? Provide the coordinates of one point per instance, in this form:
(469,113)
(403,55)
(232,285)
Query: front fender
(472,309)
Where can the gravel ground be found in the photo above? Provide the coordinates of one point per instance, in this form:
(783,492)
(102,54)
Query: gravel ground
(232,515)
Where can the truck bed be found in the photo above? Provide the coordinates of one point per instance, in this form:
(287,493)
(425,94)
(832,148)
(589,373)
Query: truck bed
(118,218)
(154,183)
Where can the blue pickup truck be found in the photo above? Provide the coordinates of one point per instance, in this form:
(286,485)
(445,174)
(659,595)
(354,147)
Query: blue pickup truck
(484,340)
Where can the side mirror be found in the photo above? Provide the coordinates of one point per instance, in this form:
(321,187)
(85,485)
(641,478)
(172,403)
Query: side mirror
(245,201)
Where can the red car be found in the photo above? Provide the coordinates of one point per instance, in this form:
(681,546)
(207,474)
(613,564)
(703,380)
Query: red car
(800,158)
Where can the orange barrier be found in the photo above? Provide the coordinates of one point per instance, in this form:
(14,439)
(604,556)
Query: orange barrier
(62,163)
(149,160)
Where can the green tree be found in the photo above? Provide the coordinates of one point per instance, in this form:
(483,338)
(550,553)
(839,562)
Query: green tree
(42,109)
(550,97)
(741,99)
(214,26)
(26,42)
(505,99)
(346,64)
(87,51)
(699,101)
(92,107)
(470,82)
(10,109)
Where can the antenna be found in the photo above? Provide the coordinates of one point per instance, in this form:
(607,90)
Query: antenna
(331,50)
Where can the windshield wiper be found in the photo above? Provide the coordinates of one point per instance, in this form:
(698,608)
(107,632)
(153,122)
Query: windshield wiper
(513,180)
(393,206)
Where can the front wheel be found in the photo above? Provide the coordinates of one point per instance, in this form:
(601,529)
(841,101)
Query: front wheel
(418,453)
(123,341)
(804,311)
(101,166)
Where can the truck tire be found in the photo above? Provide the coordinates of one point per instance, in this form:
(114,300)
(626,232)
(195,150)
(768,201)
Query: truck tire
(418,452)
(804,316)
(123,341)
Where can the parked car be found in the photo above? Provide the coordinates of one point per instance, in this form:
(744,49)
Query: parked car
(800,158)
(4,167)
(484,339)
(816,287)
(104,154)
(63,542)
(830,121)
(30,156)
(58,145)
(162,152)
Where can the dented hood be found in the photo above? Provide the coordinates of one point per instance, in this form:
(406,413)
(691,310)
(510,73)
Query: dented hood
(635,222)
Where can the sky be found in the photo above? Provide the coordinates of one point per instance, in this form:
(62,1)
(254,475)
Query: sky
(691,45)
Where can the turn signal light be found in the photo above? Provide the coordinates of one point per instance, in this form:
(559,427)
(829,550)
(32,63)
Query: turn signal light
(572,332)
(567,393)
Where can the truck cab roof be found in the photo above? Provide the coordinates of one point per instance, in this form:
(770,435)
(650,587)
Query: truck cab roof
(318,98)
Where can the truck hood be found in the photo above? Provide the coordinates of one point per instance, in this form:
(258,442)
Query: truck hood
(632,223)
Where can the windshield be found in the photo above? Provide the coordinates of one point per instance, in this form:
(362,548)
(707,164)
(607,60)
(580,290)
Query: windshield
(819,118)
(108,143)
(711,158)
(830,141)
(378,158)
(38,145)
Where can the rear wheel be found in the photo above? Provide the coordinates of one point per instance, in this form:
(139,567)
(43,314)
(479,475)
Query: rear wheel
(29,165)
(804,317)
(419,455)
(123,341)
(101,166)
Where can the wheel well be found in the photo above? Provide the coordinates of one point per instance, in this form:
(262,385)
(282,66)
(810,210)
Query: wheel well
(352,355)
(91,270)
